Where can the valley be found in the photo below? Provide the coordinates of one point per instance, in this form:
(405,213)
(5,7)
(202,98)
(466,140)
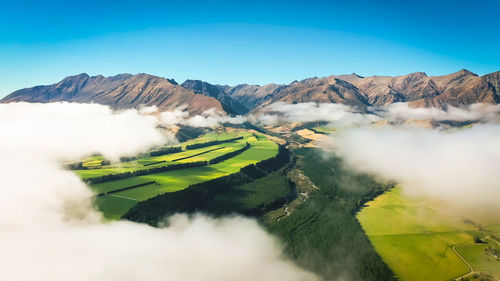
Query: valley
(320,209)
(270,153)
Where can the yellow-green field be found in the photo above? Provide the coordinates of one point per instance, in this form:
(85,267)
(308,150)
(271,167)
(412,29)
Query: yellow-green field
(117,204)
(416,240)
(324,130)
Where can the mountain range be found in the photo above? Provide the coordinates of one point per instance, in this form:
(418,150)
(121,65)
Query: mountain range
(458,89)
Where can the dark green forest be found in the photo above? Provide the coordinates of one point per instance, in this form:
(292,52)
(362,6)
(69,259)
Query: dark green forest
(322,234)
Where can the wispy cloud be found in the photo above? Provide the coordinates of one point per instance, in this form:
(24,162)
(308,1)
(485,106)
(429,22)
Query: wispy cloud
(474,112)
(336,114)
(459,168)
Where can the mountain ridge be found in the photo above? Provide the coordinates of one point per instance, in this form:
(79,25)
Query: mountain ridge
(457,89)
(119,91)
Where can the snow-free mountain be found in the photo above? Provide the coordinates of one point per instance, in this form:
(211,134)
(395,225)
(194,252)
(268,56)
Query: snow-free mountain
(458,89)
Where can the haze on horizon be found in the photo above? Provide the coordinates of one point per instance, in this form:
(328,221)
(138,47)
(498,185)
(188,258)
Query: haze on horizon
(230,43)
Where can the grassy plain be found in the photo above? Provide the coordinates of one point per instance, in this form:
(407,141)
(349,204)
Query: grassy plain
(416,239)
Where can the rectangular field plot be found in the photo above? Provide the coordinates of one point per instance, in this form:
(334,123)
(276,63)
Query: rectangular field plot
(118,184)
(118,203)
(113,207)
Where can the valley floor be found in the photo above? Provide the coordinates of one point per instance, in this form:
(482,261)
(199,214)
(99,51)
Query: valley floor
(422,242)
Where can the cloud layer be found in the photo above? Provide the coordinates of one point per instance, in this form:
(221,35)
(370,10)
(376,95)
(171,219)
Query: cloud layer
(336,114)
(180,116)
(459,167)
(475,112)
(51,232)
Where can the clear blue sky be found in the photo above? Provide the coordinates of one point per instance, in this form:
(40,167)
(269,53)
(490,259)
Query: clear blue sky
(231,42)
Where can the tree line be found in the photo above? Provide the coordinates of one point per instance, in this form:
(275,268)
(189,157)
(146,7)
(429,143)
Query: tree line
(210,143)
(179,166)
(165,151)
(119,176)
(196,197)
(226,156)
(323,235)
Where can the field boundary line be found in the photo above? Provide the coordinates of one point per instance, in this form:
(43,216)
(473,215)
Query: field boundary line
(123,197)
(198,154)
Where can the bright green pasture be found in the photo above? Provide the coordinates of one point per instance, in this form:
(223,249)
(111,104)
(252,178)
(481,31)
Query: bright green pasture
(116,204)
(415,239)
(139,163)
(392,213)
(168,182)
(421,256)
(216,136)
(176,180)
(113,207)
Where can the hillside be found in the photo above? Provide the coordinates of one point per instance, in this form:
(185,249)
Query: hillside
(120,91)
(325,90)
(204,88)
(494,80)
(458,89)
(251,95)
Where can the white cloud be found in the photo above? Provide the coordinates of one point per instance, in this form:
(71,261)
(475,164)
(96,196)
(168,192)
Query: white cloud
(49,230)
(474,112)
(336,114)
(460,168)
(148,109)
(209,118)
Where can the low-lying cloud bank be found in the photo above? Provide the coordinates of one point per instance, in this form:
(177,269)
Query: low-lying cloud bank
(49,230)
(460,168)
(180,116)
(341,115)
(403,111)
(336,114)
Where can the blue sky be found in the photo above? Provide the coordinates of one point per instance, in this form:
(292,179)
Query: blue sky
(232,42)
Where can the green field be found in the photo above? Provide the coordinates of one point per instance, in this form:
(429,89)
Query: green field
(416,239)
(324,130)
(146,159)
(480,259)
(115,205)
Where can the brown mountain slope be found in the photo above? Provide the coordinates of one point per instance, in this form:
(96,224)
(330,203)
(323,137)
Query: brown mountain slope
(251,95)
(457,89)
(320,90)
(384,90)
(494,80)
(120,91)
(207,89)
(460,88)
(125,91)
